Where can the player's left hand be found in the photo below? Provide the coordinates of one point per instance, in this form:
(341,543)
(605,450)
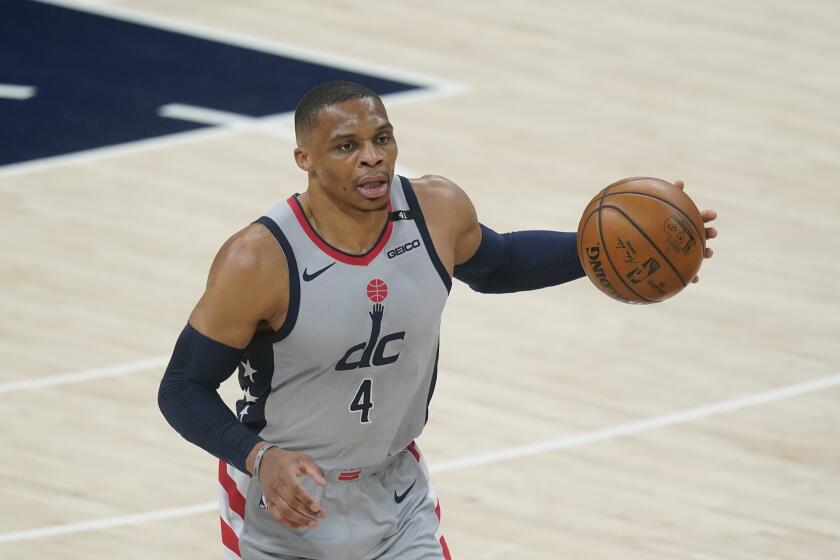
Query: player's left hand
(711,232)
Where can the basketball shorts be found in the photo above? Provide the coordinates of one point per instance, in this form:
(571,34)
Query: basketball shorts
(387,513)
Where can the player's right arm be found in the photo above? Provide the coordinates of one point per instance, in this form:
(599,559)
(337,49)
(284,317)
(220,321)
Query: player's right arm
(247,290)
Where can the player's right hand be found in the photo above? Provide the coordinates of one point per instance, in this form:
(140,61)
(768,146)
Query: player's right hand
(285,497)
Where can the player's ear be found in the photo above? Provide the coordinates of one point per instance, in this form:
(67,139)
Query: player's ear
(302,159)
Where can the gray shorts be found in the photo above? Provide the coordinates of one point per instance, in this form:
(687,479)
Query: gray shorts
(390,514)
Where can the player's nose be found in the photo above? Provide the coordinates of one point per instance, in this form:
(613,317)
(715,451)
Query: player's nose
(371,155)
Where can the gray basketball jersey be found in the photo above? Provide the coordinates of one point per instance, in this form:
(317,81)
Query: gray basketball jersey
(348,377)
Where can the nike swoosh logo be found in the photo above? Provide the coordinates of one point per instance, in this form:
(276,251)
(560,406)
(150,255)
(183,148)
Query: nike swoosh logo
(400,497)
(307,277)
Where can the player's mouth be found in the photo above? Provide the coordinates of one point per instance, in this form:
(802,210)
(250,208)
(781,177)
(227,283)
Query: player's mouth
(373,186)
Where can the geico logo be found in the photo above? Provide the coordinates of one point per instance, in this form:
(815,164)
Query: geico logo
(403,249)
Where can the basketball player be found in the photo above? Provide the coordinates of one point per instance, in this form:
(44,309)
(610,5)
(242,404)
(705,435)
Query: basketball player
(330,306)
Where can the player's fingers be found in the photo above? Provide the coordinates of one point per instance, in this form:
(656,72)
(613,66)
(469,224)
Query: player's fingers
(708,215)
(314,471)
(291,515)
(278,513)
(280,518)
(711,233)
(304,499)
(709,253)
(679,183)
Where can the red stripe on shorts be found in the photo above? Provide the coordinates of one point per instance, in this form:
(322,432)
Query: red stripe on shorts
(445,548)
(235,497)
(229,538)
(413,448)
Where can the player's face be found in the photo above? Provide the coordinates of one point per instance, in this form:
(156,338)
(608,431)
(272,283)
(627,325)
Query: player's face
(351,153)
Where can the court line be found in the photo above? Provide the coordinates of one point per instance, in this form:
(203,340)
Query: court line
(640,426)
(433,87)
(108,522)
(280,125)
(117,370)
(13,91)
(266,45)
(203,115)
(482,459)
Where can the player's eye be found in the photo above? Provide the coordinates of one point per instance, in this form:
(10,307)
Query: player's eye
(345,147)
(384,138)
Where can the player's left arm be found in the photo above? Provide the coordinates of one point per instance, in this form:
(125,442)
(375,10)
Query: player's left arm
(491,262)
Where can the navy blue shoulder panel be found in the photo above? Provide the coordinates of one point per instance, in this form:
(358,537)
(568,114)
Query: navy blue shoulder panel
(417,212)
(294,285)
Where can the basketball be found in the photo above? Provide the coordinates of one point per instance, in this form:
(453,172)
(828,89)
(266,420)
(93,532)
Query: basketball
(641,240)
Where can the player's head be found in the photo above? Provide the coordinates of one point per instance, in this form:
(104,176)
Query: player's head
(346,144)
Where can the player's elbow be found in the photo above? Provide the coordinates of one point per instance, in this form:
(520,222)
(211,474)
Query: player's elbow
(485,285)
(169,395)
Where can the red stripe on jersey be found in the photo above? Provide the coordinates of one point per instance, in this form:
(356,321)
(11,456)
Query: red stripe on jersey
(229,537)
(445,548)
(413,448)
(235,497)
(437,510)
(359,260)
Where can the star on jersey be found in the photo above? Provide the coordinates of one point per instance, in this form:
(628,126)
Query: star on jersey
(249,371)
(248,396)
(244,412)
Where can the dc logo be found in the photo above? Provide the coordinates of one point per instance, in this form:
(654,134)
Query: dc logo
(377,290)
(374,351)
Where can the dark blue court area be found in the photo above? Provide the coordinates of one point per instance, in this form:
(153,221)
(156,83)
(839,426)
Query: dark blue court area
(99,81)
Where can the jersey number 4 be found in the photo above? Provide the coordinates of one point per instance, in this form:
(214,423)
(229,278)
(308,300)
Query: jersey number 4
(363,401)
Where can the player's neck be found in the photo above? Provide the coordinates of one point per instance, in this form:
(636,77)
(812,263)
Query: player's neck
(351,230)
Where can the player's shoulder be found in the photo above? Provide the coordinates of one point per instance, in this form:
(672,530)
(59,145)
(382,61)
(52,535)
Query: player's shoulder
(249,255)
(439,194)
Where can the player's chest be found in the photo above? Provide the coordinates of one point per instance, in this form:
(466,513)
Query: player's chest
(371,310)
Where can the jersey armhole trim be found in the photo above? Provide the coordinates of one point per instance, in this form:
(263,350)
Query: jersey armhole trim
(294,285)
(414,205)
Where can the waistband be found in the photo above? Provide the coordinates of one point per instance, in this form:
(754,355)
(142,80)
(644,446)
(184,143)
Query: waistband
(349,475)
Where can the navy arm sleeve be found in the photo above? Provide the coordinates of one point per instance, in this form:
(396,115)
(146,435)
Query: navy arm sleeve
(190,402)
(520,261)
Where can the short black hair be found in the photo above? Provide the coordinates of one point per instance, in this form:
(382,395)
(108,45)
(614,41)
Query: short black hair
(325,95)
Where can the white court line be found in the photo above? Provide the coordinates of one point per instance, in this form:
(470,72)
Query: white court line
(108,522)
(434,87)
(95,154)
(568,442)
(12,91)
(203,115)
(278,126)
(265,45)
(638,427)
(84,375)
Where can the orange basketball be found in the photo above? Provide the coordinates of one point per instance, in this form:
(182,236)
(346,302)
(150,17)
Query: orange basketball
(641,240)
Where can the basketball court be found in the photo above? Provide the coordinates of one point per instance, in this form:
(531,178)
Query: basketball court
(564,424)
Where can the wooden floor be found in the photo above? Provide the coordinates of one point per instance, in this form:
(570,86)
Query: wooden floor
(103,258)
